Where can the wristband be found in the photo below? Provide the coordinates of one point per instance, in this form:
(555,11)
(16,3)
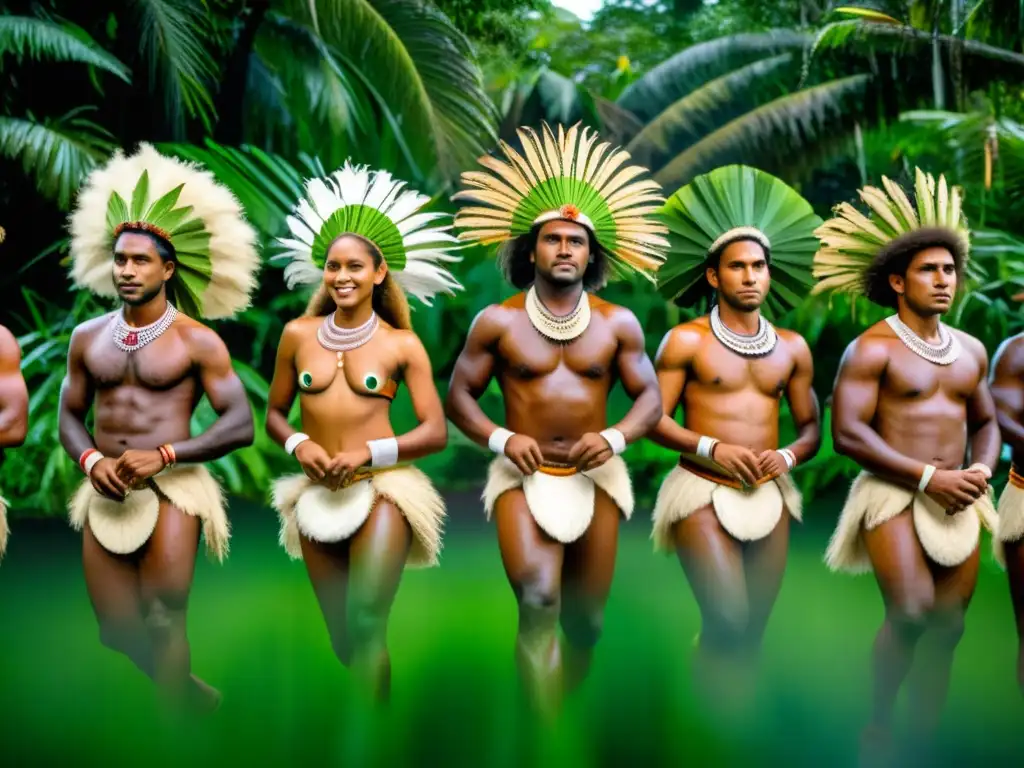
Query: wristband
(983,468)
(789,456)
(85,455)
(705,446)
(615,439)
(384,452)
(926,477)
(91,461)
(293,442)
(496,442)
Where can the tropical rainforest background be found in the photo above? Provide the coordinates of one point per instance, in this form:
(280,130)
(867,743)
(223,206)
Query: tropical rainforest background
(268,92)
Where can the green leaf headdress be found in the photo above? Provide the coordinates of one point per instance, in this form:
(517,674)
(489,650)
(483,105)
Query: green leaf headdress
(569,177)
(856,249)
(374,206)
(214,247)
(737,202)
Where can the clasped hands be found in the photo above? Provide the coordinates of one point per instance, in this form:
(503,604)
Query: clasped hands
(748,466)
(589,452)
(115,478)
(333,472)
(957,489)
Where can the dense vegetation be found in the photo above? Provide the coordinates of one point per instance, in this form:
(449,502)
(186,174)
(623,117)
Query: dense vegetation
(266,92)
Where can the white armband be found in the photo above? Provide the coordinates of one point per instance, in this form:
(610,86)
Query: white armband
(91,460)
(705,446)
(926,477)
(615,439)
(293,442)
(496,442)
(383,452)
(789,456)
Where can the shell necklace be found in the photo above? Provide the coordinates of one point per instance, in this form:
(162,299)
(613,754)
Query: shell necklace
(944,353)
(561,329)
(130,339)
(341,340)
(758,345)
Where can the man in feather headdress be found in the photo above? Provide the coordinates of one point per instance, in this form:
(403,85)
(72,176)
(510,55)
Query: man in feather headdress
(1008,393)
(911,404)
(173,245)
(13,409)
(725,509)
(557,487)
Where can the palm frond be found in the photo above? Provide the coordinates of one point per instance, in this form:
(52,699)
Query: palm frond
(788,133)
(421,66)
(706,109)
(689,69)
(57,153)
(181,68)
(27,37)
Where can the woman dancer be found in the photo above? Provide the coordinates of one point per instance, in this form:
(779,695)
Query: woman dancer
(357,516)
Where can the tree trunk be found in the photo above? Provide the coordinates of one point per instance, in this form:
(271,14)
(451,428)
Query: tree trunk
(231,100)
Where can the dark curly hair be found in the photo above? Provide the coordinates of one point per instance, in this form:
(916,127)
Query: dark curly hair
(896,256)
(514,261)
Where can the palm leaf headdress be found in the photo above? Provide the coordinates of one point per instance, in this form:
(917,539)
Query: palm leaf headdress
(732,203)
(566,177)
(376,207)
(214,247)
(855,248)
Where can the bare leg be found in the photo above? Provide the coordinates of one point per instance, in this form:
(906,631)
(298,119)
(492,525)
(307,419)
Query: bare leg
(328,569)
(929,685)
(587,571)
(908,592)
(1015,573)
(166,568)
(533,565)
(377,559)
(713,563)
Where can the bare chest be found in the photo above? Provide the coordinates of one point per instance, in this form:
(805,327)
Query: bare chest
(370,369)
(525,354)
(163,364)
(911,377)
(719,369)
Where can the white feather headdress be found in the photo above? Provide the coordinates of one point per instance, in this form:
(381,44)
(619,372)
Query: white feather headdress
(215,248)
(373,205)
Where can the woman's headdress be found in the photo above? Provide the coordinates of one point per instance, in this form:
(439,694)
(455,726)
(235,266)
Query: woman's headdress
(182,204)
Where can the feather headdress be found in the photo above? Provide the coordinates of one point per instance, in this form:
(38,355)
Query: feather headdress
(856,248)
(373,205)
(214,247)
(569,177)
(734,203)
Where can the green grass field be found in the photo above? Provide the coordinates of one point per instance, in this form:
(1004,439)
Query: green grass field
(257,634)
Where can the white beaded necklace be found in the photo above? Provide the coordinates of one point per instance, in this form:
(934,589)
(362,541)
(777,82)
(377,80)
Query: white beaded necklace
(944,353)
(341,340)
(561,329)
(130,339)
(758,345)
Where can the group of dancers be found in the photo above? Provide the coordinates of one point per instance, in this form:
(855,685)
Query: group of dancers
(914,403)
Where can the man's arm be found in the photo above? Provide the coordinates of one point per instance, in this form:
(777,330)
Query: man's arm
(13,393)
(636,372)
(803,404)
(470,377)
(671,364)
(982,425)
(1007,388)
(233,428)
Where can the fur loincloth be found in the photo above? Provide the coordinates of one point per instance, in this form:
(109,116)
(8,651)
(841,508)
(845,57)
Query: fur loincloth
(947,539)
(747,514)
(1011,516)
(560,500)
(328,516)
(123,527)
(4,530)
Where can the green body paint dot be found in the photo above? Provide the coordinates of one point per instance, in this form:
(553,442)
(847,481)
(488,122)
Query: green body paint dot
(305,379)
(371,382)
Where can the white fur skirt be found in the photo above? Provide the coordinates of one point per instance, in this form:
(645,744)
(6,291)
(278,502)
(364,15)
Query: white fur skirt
(561,504)
(745,514)
(1011,517)
(124,527)
(320,514)
(947,539)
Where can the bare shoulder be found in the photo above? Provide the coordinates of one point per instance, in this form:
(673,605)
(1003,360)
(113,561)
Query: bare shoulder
(8,344)
(493,320)
(201,339)
(405,341)
(618,317)
(682,342)
(795,343)
(871,349)
(87,330)
(970,344)
(1009,356)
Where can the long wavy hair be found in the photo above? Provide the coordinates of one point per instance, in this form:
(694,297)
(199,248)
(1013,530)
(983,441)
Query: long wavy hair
(389,301)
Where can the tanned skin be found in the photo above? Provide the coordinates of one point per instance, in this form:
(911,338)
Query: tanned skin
(893,413)
(1008,392)
(555,401)
(13,394)
(141,400)
(355,580)
(735,400)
